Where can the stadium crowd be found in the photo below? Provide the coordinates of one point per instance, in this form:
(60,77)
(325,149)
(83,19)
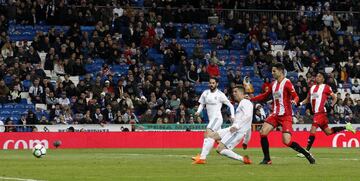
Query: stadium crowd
(151,93)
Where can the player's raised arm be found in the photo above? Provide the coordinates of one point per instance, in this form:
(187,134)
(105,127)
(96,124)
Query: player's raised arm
(333,96)
(262,96)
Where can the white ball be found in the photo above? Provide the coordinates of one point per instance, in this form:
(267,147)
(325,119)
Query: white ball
(39,151)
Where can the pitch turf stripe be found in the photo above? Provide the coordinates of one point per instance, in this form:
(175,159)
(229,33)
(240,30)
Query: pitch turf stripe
(19,179)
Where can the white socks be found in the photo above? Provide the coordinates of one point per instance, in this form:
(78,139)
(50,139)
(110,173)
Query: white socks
(231,154)
(208,144)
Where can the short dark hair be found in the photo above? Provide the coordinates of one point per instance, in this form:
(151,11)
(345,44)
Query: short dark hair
(240,87)
(279,66)
(214,78)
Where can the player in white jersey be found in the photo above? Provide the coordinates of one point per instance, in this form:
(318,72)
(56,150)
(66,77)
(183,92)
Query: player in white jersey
(212,99)
(232,136)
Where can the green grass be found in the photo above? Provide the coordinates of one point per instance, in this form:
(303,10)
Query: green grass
(175,164)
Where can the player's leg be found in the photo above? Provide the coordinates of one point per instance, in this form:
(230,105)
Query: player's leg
(311,138)
(267,127)
(333,130)
(228,142)
(208,143)
(287,128)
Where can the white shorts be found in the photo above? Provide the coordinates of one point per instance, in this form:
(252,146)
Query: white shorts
(230,140)
(215,124)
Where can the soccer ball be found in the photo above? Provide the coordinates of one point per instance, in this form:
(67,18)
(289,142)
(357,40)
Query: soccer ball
(39,151)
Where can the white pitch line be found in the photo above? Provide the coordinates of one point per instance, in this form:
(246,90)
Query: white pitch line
(19,179)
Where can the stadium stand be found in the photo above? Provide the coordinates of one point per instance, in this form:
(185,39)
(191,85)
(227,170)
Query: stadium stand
(115,62)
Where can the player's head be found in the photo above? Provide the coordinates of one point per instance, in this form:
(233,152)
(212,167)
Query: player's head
(238,93)
(213,83)
(278,70)
(320,78)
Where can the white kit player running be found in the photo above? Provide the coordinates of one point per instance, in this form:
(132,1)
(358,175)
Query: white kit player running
(230,137)
(212,99)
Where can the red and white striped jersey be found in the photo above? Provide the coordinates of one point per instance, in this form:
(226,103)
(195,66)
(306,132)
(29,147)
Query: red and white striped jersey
(318,97)
(282,93)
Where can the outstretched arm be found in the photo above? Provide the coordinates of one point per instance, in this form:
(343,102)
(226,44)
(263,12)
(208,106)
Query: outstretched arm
(200,108)
(262,96)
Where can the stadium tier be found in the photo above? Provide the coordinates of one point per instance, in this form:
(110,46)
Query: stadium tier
(138,64)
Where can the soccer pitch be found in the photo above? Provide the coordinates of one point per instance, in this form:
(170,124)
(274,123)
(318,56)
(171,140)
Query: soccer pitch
(175,164)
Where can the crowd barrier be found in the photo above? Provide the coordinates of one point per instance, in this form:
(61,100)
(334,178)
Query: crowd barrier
(170,139)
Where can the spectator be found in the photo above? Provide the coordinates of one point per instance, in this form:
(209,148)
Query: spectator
(15,95)
(63,100)
(260,115)
(182,119)
(147,41)
(195,34)
(129,117)
(147,117)
(160,117)
(213,70)
(9,125)
(266,85)
(6,50)
(170,31)
(212,32)
(36,92)
(355,89)
(4,92)
(31,118)
(204,76)
(253,45)
(339,109)
(159,31)
(198,51)
(118,10)
(174,102)
(249,89)
(109,114)
(192,74)
(328,19)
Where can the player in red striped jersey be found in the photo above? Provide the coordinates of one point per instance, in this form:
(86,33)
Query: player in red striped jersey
(318,96)
(284,96)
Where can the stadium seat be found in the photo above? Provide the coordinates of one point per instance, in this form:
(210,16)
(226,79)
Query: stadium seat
(30,106)
(19,106)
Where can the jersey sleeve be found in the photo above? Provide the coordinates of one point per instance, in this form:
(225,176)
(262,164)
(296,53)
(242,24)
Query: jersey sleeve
(202,98)
(262,96)
(290,88)
(328,91)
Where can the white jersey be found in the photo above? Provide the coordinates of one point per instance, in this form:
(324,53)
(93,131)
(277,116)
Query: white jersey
(243,120)
(213,102)
(243,115)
